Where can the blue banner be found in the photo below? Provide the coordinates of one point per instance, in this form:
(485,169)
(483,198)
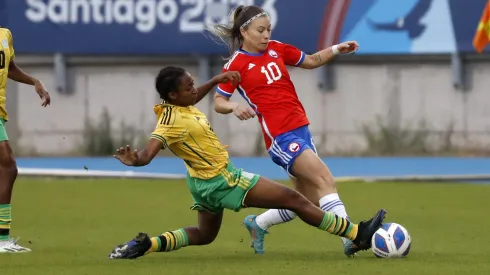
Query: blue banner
(142,27)
(412,26)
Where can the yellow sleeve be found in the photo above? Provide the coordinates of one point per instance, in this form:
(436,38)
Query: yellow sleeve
(169,134)
(11,45)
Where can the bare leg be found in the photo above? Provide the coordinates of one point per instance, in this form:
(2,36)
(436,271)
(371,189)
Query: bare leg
(8,174)
(269,194)
(204,233)
(315,181)
(208,226)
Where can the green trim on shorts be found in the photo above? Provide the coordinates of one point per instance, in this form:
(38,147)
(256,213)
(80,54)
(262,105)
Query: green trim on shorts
(225,191)
(3,131)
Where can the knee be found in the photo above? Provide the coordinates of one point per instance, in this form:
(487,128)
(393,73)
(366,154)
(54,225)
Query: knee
(325,178)
(8,165)
(314,173)
(322,180)
(206,238)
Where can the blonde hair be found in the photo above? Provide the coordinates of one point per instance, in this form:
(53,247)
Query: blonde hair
(240,18)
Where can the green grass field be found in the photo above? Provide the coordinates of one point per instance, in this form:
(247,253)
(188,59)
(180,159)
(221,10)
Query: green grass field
(72,225)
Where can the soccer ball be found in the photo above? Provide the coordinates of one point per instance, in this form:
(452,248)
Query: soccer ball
(391,241)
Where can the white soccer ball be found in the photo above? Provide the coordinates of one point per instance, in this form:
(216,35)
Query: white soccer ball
(391,241)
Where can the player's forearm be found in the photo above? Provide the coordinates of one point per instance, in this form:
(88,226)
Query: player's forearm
(16,74)
(223,105)
(144,158)
(318,59)
(204,89)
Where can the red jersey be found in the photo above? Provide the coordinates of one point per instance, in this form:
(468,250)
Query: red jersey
(267,87)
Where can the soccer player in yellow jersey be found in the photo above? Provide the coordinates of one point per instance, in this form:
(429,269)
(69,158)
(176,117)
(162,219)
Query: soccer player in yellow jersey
(8,168)
(214,182)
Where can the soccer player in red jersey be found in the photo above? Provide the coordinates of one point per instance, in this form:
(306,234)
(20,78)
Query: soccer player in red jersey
(267,87)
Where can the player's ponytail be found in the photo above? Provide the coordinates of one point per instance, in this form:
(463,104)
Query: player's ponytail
(230,33)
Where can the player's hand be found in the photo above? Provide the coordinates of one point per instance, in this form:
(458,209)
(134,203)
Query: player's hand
(244,112)
(43,94)
(126,156)
(348,47)
(234,77)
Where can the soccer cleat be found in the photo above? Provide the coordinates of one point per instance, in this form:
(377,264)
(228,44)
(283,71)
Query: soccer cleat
(11,246)
(133,249)
(350,249)
(256,233)
(366,231)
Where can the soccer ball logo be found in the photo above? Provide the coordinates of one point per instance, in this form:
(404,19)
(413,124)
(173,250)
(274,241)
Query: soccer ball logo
(391,241)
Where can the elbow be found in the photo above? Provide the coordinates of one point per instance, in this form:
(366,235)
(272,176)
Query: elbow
(313,65)
(219,109)
(309,63)
(219,103)
(216,106)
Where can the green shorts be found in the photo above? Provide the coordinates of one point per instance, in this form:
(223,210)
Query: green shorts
(227,190)
(3,131)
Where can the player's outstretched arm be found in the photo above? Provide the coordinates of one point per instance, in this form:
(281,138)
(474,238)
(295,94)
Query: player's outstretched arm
(16,74)
(324,56)
(223,105)
(204,89)
(139,158)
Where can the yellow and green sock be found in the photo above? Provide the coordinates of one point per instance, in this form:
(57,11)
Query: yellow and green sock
(5,220)
(169,241)
(338,226)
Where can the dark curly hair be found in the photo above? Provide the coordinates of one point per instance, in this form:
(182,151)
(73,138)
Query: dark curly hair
(168,80)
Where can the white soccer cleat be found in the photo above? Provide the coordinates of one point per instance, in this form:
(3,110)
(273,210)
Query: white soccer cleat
(11,246)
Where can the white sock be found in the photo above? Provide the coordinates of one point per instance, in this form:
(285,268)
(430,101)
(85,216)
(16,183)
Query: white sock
(332,203)
(274,216)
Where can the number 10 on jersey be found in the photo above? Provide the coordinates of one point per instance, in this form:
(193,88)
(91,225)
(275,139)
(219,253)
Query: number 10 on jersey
(272,72)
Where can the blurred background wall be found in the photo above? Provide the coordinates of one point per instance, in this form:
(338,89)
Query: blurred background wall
(415,87)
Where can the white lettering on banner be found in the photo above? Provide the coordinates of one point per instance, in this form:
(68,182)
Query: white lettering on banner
(191,15)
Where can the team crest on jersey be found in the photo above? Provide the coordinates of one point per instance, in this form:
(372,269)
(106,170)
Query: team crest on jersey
(273,53)
(293,147)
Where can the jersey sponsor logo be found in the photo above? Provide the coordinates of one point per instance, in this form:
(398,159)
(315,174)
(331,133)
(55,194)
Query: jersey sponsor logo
(293,147)
(273,54)
(5,43)
(250,66)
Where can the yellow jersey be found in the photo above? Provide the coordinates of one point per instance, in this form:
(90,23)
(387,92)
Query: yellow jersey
(6,55)
(187,133)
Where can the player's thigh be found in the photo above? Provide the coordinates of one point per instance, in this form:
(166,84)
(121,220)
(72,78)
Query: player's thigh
(241,183)
(200,198)
(6,154)
(225,191)
(291,147)
(312,173)
(270,194)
